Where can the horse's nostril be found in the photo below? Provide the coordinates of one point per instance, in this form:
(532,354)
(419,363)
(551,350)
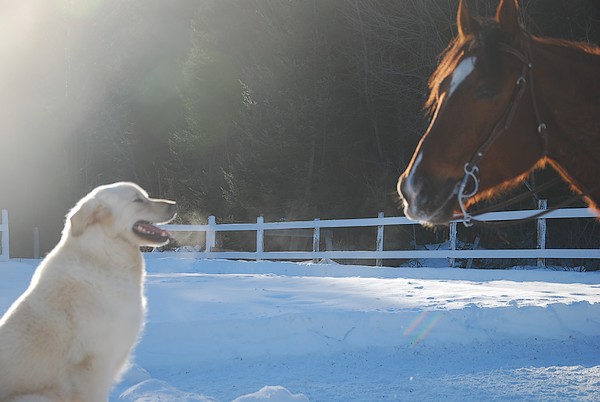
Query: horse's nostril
(412,187)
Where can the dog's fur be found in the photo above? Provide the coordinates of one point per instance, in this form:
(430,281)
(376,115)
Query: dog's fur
(69,336)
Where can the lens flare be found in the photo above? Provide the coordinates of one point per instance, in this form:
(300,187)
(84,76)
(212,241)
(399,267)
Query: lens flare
(421,327)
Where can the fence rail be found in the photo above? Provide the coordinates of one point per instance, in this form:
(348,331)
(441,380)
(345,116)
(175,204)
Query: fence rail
(4,243)
(262,229)
(379,254)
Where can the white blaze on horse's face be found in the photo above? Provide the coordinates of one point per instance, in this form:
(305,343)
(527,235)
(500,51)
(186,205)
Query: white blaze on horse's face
(464,68)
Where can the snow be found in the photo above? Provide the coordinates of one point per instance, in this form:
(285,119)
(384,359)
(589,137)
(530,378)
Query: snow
(275,331)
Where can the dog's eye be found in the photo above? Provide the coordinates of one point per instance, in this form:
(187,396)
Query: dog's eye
(138,199)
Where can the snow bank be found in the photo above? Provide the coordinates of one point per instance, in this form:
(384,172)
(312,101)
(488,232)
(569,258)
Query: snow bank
(270,393)
(222,330)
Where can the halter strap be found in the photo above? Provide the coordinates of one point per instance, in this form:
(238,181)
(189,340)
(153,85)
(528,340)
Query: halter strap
(471,168)
(504,122)
(542,129)
(509,49)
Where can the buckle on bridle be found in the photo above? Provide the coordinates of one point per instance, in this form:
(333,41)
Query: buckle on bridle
(470,173)
(542,128)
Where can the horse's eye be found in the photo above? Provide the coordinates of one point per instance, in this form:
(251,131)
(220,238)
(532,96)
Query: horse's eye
(486,93)
(138,199)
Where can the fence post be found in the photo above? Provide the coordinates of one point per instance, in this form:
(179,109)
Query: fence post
(5,255)
(452,260)
(316,239)
(379,245)
(211,238)
(470,260)
(260,237)
(36,242)
(541,233)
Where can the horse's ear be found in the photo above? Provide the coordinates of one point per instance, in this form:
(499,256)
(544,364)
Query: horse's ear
(467,25)
(507,16)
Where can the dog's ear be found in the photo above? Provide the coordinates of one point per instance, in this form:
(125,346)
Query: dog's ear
(86,214)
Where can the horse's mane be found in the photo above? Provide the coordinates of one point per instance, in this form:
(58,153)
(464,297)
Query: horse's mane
(488,39)
(576,48)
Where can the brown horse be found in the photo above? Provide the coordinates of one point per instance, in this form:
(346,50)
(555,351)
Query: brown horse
(503,103)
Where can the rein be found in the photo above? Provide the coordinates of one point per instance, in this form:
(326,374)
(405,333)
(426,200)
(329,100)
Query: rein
(471,168)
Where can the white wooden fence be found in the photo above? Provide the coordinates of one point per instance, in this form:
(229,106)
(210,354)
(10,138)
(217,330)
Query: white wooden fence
(378,254)
(4,243)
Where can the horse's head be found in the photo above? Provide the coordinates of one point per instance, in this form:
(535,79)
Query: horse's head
(471,92)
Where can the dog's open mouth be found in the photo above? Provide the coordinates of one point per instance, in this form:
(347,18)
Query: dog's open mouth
(147,231)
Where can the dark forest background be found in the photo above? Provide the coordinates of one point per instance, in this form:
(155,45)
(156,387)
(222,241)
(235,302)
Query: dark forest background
(235,108)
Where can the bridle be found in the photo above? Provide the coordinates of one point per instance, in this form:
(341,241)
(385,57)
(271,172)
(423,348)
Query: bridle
(471,167)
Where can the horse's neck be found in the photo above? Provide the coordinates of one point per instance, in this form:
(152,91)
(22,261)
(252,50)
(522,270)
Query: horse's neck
(566,79)
(568,95)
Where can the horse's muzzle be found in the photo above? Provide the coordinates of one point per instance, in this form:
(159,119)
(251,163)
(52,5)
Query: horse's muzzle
(427,201)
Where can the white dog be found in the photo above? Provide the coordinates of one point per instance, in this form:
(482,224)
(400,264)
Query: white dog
(69,336)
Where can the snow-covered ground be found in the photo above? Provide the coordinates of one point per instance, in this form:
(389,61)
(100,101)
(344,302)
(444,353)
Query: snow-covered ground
(267,331)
